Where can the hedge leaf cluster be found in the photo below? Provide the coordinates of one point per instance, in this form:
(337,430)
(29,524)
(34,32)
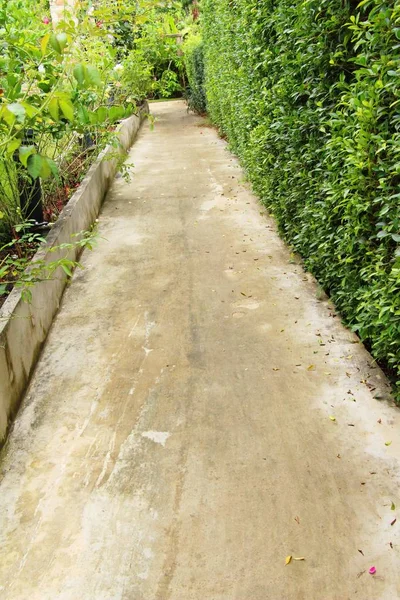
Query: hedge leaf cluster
(194,64)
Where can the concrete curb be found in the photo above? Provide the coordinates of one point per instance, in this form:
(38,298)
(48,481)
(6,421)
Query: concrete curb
(24,327)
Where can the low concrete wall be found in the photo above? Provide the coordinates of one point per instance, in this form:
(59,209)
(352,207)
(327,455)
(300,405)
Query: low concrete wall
(24,326)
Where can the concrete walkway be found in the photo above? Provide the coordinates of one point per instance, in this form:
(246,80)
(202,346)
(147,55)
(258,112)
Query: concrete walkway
(199,413)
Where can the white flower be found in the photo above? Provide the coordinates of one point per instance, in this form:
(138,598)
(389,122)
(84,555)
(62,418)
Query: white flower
(119,67)
(41,69)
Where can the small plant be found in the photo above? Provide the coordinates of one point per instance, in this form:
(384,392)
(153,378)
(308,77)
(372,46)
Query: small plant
(17,269)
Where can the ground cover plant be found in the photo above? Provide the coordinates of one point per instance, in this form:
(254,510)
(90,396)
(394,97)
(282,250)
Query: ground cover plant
(308,94)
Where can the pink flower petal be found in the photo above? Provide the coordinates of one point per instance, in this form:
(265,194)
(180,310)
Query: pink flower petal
(372,571)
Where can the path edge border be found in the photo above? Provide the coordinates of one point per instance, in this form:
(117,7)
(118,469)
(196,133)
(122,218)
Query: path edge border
(24,326)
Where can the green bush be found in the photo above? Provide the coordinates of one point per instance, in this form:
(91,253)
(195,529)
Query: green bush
(308,95)
(194,63)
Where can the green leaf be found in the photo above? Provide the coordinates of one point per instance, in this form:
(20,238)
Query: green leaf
(92,76)
(7,116)
(67,108)
(393,506)
(44,43)
(18,110)
(66,269)
(54,108)
(101,114)
(116,113)
(35,164)
(31,111)
(13,146)
(62,40)
(45,170)
(25,152)
(79,74)
(54,43)
(83,115)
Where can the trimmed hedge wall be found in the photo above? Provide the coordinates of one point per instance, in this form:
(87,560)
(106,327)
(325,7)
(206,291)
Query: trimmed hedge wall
(308,94)
(194,64)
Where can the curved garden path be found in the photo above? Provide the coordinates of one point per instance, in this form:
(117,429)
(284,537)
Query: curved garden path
(198,413)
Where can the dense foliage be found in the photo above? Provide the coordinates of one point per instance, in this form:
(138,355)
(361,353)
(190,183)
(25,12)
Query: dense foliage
(194,63)
(64,84)
(308,94)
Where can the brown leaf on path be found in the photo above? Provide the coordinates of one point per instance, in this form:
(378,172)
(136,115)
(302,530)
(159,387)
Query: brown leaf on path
(361,552)
(393,522)
(297,520)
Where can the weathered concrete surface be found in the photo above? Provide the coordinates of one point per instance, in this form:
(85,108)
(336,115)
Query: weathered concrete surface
(24,327)
(176,440)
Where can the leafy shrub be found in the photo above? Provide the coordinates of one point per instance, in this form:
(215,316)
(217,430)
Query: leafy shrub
(308,95)
(194,63)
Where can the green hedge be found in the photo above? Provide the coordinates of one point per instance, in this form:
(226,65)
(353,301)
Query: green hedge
(308,94)
(194,63)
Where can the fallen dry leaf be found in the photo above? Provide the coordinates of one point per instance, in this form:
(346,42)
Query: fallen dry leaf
(388,443)
(311,368)
(393,522)
(332,418)
(288,560)
(299,558)
(360,574)
(361,552)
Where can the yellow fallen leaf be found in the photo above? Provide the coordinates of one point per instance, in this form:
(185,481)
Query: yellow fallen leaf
(288,560)
(311,368)
(388,443)
(275,369)
(299,558)
(332,418)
